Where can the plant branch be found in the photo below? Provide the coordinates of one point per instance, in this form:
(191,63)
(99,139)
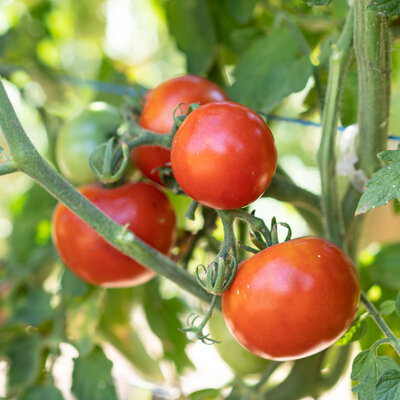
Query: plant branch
(282,188)
(326,153)
(383,326)
(7,167)
(28,160)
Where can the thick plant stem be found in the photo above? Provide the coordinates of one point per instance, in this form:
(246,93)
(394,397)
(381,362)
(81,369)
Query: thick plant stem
(28,160)
(372,47)
(326,153)
(306,203)
(7,168)
(383,326)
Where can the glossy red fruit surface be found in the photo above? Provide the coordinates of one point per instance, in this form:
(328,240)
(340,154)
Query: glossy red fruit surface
(293,299)
(157,116)
(223,155)
(150,216)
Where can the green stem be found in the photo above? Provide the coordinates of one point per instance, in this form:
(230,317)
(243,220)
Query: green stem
(383,326)
(7,167)
(229,234)
(271,368)
(282,188)
(372,47)
(28,160)
(326,153)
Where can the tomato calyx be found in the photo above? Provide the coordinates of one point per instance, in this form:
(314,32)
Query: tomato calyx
(110,160)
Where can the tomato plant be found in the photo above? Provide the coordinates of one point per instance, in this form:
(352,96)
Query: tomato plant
(241,361)
(149,215)
(80,136)
(293,299)
(223,155)
(157,116)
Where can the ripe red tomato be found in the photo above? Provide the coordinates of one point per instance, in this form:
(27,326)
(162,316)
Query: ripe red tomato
(223,155)
(293,299)
(157,116)
(150,216)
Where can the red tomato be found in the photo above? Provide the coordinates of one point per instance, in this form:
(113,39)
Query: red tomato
(223,155)
(150,216)
(293,299)
(157,116)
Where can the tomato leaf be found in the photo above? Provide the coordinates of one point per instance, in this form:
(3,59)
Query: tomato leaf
(356,331)
(71,285)
(24,356)
(388,386)
(275,73)
(206,394)
(91,378)
(367,368)
(191,25)
(387,307)
(241,10)
(383,185)
(318,2)
(42,392)
(162,316)
(387,7)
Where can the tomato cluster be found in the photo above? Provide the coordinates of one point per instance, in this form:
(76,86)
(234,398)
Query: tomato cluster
(157,116)
(288,301)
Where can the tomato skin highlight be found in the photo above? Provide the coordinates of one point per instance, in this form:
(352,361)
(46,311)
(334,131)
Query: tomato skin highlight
(150,216)
(156,116)
(79,137)
(293,299)
(223,155)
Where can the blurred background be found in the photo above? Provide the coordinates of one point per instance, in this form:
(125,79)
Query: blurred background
(58,56)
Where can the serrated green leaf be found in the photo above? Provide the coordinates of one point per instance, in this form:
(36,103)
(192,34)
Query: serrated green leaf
(388,386)
(91,378)
(275,74)
(191,25)
(397,305)
(387,307)
(206,394)
(384,184)
(34,308)
(241,10)
(24,356)
(367,368)
(162,316)
(318,2)
(387,7)
(356,331)
(42,393)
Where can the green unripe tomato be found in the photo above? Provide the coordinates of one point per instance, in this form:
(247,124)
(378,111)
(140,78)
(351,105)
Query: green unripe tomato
(80,136)
(241,361)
